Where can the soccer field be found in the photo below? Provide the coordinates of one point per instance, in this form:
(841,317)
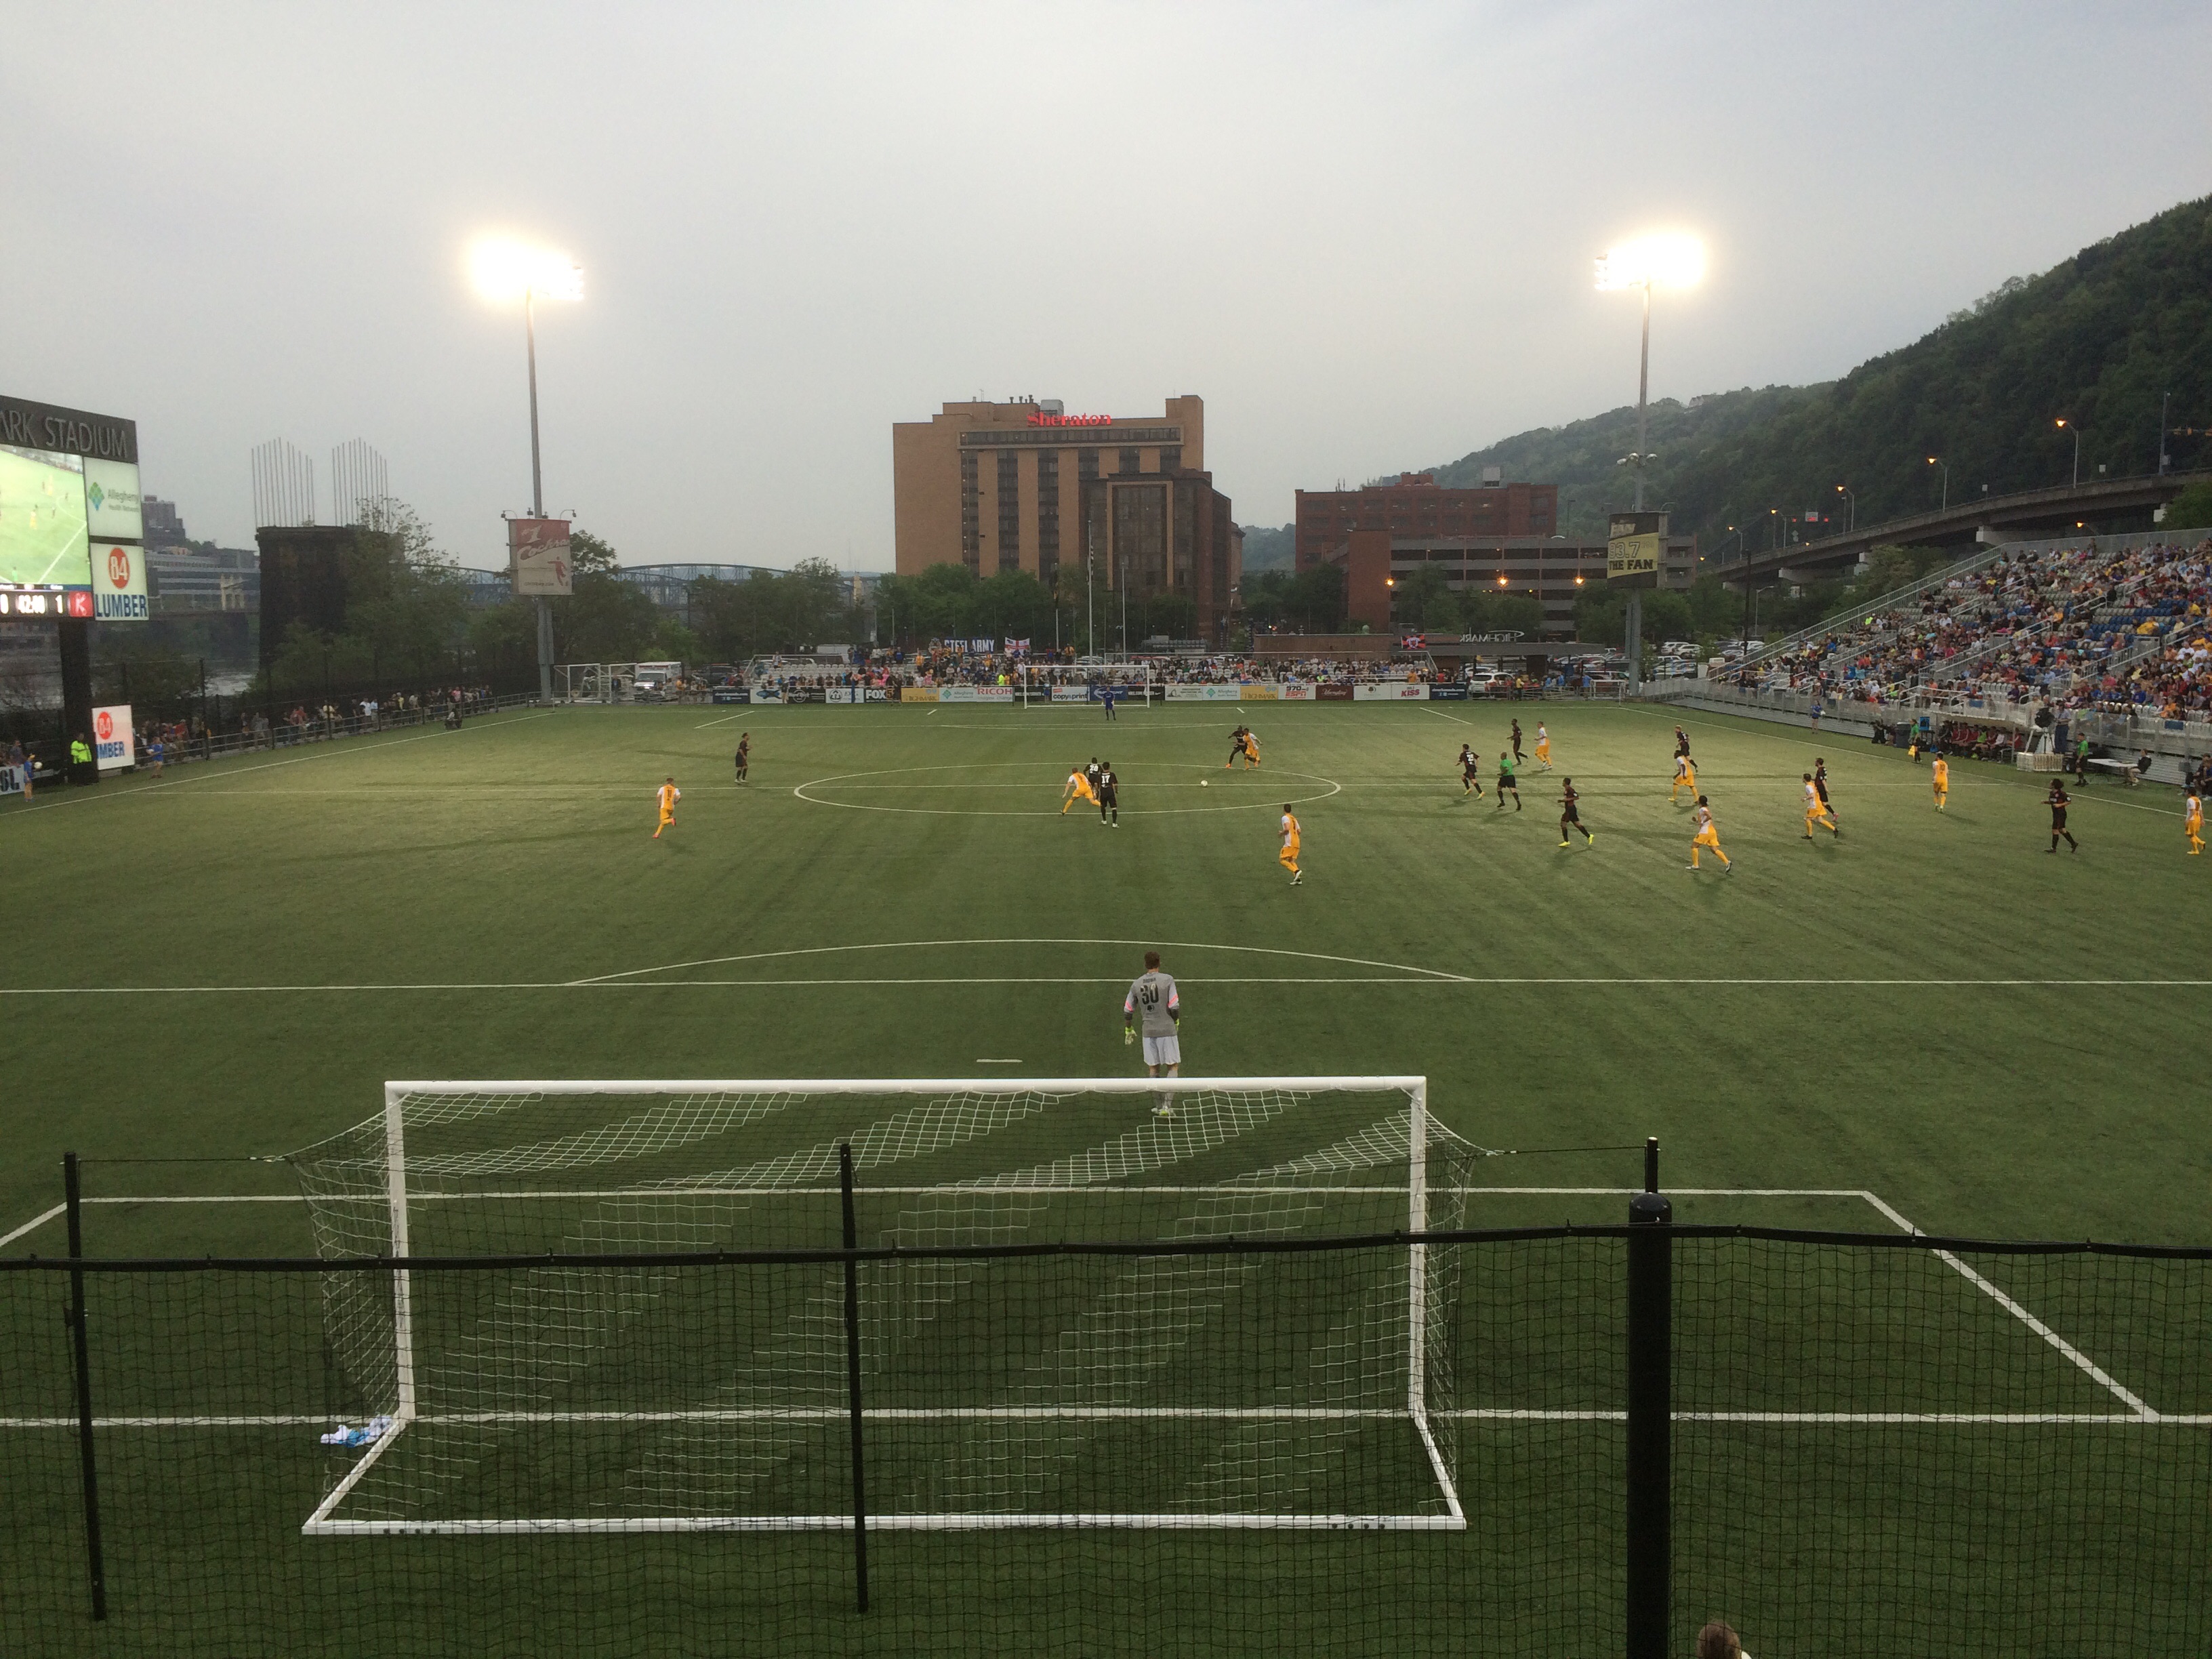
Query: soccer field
(1926,1022)
(1997,1041)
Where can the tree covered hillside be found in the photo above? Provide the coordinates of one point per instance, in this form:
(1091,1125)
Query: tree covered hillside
(2096,340)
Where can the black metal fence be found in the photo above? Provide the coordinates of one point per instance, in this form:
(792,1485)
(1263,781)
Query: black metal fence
(1841,1444)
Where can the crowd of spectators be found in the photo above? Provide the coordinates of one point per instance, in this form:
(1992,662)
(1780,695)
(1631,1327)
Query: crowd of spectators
(2120,629)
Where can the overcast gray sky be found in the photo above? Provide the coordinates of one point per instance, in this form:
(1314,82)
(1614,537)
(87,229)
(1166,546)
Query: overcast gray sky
(1362,234)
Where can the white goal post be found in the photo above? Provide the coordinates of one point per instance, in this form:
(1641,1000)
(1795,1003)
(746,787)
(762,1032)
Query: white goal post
(1288,1386)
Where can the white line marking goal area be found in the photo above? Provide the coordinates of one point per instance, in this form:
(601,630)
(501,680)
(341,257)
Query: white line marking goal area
(1259,1379)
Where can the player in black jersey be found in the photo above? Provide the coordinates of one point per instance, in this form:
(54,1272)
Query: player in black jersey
(1109,795)
(2057,800)
(1570,816)
(1235,749)
(1519,759)
(1681,742)
(1821,785)
(1470,768)
(1091,772)
(744,754)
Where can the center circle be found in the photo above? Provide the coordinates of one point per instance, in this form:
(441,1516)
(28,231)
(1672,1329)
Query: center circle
(1273,803)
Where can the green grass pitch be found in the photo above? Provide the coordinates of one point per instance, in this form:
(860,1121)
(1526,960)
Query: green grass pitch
(1990,1040)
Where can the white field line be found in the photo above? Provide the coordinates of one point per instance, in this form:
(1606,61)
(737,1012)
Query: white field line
(969,1521)
(150,788)
(32,1224)
(1121,1413)
(2088,1366)
(1413,976)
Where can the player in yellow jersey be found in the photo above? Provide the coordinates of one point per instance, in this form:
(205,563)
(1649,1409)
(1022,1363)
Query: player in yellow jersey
(1078,788)
(1816,811)
(1543,747)
(2192,822)
(1707,837)
(1251,749)
(1288,858)
(668,794)
(1943,779)
(1686,777)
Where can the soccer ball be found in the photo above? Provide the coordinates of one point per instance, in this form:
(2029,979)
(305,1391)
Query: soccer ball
(1202,783)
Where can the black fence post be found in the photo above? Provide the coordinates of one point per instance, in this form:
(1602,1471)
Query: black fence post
(1650,1414)
(853,1373)
(72,1193)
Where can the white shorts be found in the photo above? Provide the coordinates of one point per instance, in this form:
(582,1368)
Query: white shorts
(1163,1051)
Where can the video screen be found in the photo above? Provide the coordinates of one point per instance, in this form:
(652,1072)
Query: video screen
(44,538)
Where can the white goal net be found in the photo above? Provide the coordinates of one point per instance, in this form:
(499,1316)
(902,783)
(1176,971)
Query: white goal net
(1071,1308)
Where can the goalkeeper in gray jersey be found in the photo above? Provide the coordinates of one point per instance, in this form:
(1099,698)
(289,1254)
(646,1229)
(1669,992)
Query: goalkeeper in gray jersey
(1153,1001)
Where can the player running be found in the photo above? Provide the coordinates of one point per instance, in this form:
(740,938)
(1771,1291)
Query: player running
(1153,1001)
(2192,822)
(1820,783)
(668,794)
(1288,858)
(1517,755)
(1078,788)
(1708,838)
(2057,800)
(1571,817)
(1109,794)
(1235,747)
(1091,776)
(1681,743)
(1941,777)
(1470,772)
(1816,810)
(1686,777)
(1543,747)
(744,754)
(1251,748)
(1506,784)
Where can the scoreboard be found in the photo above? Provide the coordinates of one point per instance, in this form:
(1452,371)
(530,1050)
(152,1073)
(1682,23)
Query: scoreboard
(72,527)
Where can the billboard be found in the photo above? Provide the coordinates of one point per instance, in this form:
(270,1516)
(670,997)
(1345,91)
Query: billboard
(538,555)
(44,541)
(111,741)
(115,511)
(119,582)
(1633,542)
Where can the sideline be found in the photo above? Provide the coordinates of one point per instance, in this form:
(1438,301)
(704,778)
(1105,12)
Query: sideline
(148,787)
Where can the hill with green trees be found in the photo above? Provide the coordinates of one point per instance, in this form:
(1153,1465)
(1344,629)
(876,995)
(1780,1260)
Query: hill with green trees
(2097,340)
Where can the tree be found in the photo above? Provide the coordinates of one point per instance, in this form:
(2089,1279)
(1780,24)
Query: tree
(2191,510)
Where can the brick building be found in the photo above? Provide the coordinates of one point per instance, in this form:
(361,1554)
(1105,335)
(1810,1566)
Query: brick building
(1416,505)
(1026,486)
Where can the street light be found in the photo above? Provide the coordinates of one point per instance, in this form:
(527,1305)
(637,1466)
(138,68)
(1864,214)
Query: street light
(504,271)
(1937,460)
(1677,261)
(1852,521)
(2077,453)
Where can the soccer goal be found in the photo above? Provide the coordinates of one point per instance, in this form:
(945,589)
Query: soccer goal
(1073,1308)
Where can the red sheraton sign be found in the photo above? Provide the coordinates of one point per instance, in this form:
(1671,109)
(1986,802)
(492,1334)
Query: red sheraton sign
(1071,420)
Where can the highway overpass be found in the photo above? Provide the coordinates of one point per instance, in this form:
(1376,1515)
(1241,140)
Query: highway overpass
(2092,506)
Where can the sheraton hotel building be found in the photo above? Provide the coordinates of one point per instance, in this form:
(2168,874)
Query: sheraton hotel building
(1028,486)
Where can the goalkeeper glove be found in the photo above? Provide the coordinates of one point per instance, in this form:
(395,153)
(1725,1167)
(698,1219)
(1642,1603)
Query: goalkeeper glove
(1128,1034)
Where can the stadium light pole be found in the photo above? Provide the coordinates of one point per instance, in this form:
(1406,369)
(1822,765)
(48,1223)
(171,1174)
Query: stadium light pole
(1937,460)
(504,271)
(1851,520)
(1678,261)
(2062,426)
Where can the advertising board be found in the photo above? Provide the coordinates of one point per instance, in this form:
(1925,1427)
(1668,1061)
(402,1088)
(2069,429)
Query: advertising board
(1259,690)
(1332,694)
(1203,693)
(119,585)
(1294,691)
(975,694)
(113,509)
(731,694)
(1389,691)
(1631,547)
(113,744)
(918,694)
(1450,692)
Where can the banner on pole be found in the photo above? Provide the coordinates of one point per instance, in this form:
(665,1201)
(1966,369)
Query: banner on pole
(538,556)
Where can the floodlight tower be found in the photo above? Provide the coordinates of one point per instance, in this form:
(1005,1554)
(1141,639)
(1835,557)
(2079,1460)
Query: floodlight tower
(504,271)
(1677,261)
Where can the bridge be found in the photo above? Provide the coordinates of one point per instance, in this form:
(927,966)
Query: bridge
(2094,506)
